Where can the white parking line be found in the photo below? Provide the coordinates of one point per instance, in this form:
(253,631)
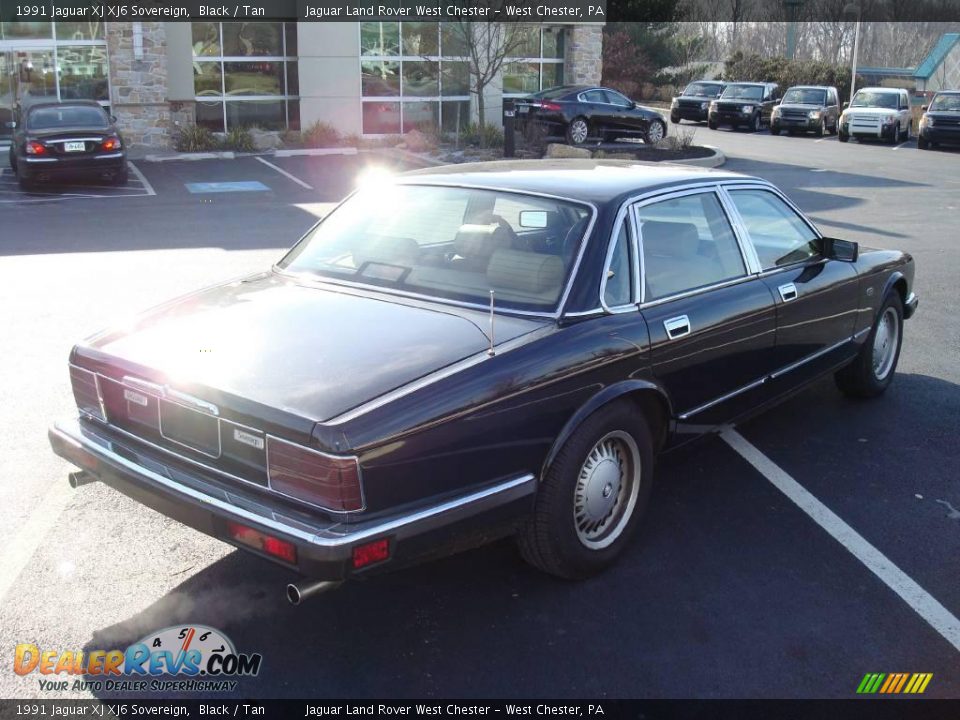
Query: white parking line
(922,603)
(897,147)
(283,172)
(140,176)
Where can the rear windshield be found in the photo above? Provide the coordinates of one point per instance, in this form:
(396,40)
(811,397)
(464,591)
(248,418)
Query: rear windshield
(448,242)
(946,103)
(803,96)
(699,89)
(871,98)
(743,92)
(66,116)
(552,93)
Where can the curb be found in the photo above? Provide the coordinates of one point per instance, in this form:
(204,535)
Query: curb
(411,158)
(313,152)
(224,155)
(231,155)
(713,161)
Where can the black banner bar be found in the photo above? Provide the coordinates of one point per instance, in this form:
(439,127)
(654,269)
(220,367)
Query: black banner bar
(481,10)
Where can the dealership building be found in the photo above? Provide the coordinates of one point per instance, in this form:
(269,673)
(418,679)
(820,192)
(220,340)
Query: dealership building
(365,78)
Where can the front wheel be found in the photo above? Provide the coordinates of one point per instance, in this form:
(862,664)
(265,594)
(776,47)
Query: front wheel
(712,124)
(871,372)
(656,131)
(822,130)
(774,129)
(757,123)
(923,143)
(577,131)
(593,495)
(843,137)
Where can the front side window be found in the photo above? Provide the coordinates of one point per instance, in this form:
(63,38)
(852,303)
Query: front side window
(452,243)
(615,98)
(779,235)
(687,243)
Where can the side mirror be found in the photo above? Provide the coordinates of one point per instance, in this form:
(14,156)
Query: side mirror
(843,250)
(113,118)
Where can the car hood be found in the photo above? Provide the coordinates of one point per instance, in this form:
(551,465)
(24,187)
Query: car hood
(310,350)
(872,111)
(942,113)
(801,106)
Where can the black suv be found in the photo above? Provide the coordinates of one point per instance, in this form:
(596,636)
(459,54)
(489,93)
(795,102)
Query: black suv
(744,103)
(694,102)
(807,108)
(941,120)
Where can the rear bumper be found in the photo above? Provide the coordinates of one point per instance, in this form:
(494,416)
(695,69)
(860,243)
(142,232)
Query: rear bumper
(90,165)
(324,545)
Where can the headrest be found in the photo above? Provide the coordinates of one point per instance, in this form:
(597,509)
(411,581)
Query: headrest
(525,271)
(670,239)
(479,241)
(391,250)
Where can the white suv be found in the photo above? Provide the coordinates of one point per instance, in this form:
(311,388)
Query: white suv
(882,113)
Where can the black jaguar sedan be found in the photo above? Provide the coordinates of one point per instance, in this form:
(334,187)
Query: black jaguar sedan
(478,351)
(581,113)
(941,121)
(54,141)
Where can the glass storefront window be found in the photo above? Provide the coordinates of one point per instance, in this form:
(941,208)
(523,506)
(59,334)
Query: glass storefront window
(452,40)
(537,63)
(456,78)
(381,118)
(379,38)
(421,78)
(420,116)
(83,72)
(206,39)
(553,46)
(73,31)
(420,39)
(261,78)
(210,115)
(526,39)
(35,75)
(552,75)
(252,39)
(265,114)
(207,78)
(521,77)
(26,31)
(380,78)
(455,114)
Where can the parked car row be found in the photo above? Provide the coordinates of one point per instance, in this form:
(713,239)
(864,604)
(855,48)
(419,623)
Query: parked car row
(875,112)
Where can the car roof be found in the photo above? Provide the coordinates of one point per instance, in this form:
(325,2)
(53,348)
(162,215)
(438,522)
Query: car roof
(66,103)
(810,87)
(595,181)
(947,92)
(749,82)
(882,89)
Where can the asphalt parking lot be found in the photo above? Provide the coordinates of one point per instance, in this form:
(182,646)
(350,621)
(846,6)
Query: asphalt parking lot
(730,589)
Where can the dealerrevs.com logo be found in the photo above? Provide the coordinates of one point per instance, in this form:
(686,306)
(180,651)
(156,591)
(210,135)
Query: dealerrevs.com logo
(202,658)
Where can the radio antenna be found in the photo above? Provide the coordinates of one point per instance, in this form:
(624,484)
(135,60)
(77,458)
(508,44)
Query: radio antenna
(491,352)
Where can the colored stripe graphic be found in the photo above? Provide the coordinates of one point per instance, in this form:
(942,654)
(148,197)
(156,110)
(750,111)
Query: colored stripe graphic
(894,683)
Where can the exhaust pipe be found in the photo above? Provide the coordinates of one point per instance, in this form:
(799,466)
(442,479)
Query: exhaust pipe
(81,477)
(298,592)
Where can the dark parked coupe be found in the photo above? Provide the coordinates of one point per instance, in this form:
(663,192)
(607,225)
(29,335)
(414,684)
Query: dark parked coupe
(694,102)
(53,141)
(941,121)
(477,351)
(744,104)
(581,113)
(807,108)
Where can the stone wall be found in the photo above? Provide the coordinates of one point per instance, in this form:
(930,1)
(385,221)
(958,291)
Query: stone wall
(138,85)
(583,60)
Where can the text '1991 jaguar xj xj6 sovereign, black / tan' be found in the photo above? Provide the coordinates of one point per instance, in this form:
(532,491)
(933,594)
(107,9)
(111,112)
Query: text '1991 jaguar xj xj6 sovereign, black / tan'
(471,352)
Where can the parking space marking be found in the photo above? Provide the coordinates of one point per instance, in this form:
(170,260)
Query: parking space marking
(897,147)
(219,187)
(283,172)
(922,603)
(142,178)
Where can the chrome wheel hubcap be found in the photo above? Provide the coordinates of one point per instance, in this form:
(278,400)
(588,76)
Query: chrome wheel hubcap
(578,131)
(885,343)
(607,488)
(656,132)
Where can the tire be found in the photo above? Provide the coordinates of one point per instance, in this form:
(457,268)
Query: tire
(578,131)
(923,143)
(822,130)
(872,371)
(712,124)
(774,129)
(675,119)
(757,124)
(656,131)
(843,137)
(562,537)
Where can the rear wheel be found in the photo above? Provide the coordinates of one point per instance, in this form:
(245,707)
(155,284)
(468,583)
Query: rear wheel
(774,129)
(712,124)
(822,130)
(578,131)
(656,131)
(871,372)
(593,495)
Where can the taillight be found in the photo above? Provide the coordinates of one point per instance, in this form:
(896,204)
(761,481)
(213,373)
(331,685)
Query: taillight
(35,148)
(552,107)
(268,544)
(111,143)
(328,481)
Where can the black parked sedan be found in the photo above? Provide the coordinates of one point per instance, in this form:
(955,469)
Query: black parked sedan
(69,139)
(744,104)
(581,112)
(477,351)
(694,102)
(941,121)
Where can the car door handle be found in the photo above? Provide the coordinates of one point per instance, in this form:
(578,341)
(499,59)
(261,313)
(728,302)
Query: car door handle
(677,327)
(788,292)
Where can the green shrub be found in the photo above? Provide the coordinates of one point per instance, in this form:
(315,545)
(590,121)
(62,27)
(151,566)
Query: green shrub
(786,73)
(194,138)
(320,134)
(239,139)
(482,135)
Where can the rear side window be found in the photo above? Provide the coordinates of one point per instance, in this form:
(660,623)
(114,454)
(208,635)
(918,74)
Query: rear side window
(687,243)
(779,235)
(594,96)
(618,288)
